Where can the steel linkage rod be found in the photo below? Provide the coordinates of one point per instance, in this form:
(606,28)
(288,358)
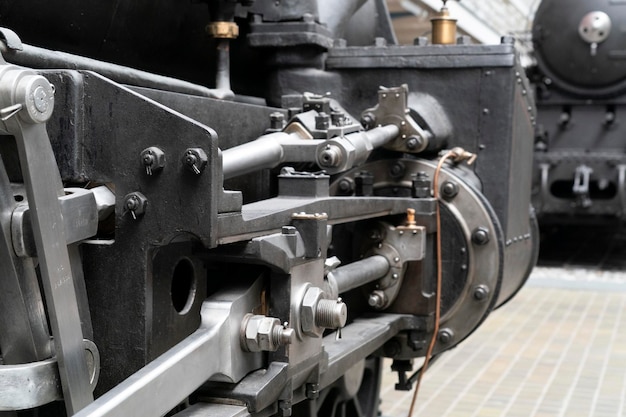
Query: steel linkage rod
(35,57)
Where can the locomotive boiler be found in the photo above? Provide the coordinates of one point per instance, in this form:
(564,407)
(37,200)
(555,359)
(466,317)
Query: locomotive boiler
(580,85)
(237,208)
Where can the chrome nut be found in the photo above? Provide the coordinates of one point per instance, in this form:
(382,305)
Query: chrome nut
(307,312)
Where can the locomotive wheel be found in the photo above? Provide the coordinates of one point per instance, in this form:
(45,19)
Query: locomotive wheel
(356,394)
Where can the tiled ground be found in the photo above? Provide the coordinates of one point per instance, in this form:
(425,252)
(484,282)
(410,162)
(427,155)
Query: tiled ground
(557,349)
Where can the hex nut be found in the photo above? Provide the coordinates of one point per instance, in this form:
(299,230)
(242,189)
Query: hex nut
(135,203)
(258,333)
(152,159)
(195,159)
(307,311)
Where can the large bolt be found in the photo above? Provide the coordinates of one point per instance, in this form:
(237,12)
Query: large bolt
(284,408)
(37,94)
(338,118)
(376,299)
(481,292)
(368,120)
(397,170)
(195,159)
(312,391)
(480,236)
(345,186)
(261,333)
(330,156)
(153,159)
(414,142)
(322,121)
(449,189)
(136,204)
(445,336)
(318,313)
(277,120)
(331,314)
(420,185)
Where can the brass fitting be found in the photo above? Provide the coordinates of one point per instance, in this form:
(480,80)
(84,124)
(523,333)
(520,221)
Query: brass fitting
(223,30)
(410,218)
(459,155)
(443,28)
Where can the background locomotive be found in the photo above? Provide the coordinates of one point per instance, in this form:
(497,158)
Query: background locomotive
(257,247)
(580,85)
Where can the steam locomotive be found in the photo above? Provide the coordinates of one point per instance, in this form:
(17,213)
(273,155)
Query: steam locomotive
(580,79)
(255,247)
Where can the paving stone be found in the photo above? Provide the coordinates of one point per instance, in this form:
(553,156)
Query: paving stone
(558,349)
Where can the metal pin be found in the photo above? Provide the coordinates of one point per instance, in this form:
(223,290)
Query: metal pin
(8,112)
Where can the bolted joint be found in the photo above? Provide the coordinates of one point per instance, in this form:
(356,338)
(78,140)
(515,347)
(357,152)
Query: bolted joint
(445,336)
(420,185)
(195,159)
(261,333)
(330,156)
(318,313)
(284,408)
(331,314)
(136,204)
(377,299)
(312,391)
(368,120)
(481,292)
(31,100)
(480,236)
(153,159)
(38,96)
(277,121)
(449,190)
(338,118)
(415,143)
(307,311)
(322,121)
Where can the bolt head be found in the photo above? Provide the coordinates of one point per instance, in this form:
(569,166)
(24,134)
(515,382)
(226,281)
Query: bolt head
(368,120)
(257,334)
(445,336)
(449,189)
(312,296)
(136,202)
(346,186)
(195,159)
(397,170)
(312,391)
(414,142)
(376,299)
(153,157)
(481,292)
(480,236)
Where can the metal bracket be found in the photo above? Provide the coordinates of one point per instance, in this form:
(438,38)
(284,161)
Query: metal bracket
(77,204)
(393,109)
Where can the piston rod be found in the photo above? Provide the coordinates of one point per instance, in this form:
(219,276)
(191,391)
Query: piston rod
(270,150)
(359,273)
